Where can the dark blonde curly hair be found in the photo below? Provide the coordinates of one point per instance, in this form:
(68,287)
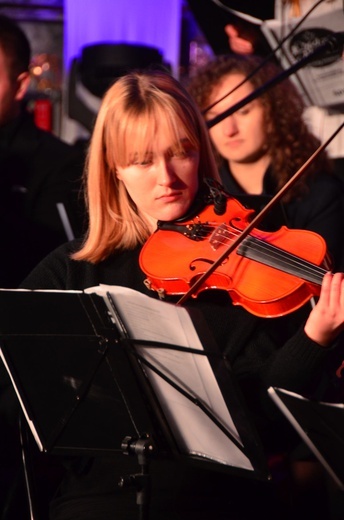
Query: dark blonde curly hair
(289,139)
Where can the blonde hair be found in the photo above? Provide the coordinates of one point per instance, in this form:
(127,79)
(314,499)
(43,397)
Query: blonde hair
(126,125)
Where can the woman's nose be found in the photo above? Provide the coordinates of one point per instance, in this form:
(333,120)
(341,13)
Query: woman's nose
(229,126)
(166,174)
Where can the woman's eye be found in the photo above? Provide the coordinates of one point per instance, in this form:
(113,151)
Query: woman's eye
(183,153)
(180,154)
(244,111)
(145,161)
(247,108)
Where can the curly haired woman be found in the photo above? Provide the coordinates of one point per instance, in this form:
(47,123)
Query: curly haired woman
(260,146)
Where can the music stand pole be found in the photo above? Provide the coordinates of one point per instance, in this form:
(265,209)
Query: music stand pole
(143,448)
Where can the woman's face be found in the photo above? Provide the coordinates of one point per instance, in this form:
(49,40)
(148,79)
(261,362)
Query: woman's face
(240,137)
(163,185)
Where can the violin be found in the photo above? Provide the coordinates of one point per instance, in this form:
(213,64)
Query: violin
(269,273)
(221,247)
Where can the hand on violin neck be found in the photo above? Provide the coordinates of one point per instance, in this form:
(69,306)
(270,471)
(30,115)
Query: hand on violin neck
(326,320)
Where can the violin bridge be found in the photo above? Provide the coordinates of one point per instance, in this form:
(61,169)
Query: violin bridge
(221,236)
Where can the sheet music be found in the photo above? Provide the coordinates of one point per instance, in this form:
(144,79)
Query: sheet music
(149,319)
(320,82)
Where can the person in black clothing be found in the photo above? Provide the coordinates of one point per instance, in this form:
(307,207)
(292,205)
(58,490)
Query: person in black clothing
(40,175)
(262,145)
(40,208)
(148,160)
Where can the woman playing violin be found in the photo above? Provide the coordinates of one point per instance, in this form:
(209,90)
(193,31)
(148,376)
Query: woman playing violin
(259,147)
(148,158)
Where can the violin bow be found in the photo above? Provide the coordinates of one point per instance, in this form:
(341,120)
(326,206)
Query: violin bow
(258,218)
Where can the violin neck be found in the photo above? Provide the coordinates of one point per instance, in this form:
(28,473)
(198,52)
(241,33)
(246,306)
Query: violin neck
(268,254)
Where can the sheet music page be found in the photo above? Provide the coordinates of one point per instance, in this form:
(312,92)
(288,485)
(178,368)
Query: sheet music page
(149,319)
(321,81)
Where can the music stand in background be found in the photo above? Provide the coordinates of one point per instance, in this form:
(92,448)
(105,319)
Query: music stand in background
(321,427)
(84,389)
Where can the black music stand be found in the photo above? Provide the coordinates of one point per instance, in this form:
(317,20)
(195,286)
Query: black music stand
(85,387)
(320,425)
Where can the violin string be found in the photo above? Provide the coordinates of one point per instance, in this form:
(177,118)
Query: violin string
(268,251)
(286,261)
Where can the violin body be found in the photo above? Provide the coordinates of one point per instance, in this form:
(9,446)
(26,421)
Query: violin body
(270,274)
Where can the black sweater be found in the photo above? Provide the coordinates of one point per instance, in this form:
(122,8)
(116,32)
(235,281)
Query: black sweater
(320,209)
(262,352)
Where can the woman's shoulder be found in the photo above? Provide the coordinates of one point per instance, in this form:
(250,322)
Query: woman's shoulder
(60,271)
(321,178)
(324,190)
(52,272)
(321,189)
